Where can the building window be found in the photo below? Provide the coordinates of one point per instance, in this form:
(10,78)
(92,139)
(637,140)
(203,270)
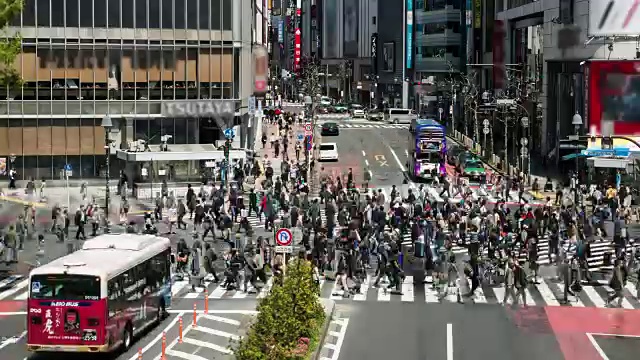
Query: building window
(374,19)
(388,57)
(437,51)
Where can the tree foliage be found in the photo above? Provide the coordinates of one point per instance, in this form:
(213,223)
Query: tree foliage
(290,312)
(9,43)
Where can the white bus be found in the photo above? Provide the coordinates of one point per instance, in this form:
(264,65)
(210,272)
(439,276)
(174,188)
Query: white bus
(99,298)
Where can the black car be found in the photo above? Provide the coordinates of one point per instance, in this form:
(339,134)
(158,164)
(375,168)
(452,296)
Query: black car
(330,128)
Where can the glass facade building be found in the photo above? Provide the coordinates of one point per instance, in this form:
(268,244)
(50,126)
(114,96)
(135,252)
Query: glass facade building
(82,59)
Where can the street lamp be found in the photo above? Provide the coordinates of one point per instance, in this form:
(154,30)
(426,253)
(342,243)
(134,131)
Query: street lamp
(107,125)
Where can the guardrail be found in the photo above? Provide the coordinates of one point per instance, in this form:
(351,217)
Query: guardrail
(494,161)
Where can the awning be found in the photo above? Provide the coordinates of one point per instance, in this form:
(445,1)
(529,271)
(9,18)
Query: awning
(180,152)
(572,156)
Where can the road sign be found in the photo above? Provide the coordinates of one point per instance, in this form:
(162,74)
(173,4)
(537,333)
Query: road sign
(486,130)
(229,133)
(524,142)
(486,122)
(252,105)
(300,136)
(284,237)
(308,127)
(440,110)
(67,167)
(284,249)
(523,151)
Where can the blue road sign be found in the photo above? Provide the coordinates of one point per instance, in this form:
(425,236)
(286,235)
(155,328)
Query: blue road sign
(67,167)
(309,145)
(300,136)
(229,133)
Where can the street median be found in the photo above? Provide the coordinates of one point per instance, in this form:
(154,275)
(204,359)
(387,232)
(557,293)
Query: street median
(291,321)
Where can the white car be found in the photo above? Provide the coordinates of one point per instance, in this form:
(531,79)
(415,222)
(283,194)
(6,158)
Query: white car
(357,111)
(328,152)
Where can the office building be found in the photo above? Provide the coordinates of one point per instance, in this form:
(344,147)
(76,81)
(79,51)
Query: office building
(132,60)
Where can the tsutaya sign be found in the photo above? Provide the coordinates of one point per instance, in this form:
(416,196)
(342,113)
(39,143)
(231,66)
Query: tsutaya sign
(198,108)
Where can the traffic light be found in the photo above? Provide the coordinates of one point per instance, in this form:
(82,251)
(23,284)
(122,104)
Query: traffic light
(227,147)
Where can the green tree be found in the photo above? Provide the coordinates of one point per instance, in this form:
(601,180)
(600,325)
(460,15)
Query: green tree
(291,312)
(9,43)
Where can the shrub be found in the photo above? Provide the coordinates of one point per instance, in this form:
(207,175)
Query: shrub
(289,318)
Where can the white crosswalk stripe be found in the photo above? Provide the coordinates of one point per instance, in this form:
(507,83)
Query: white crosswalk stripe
(373,126)
(545,293)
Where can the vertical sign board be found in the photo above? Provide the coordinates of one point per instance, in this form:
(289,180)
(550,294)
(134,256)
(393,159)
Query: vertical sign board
(498,54)
(260,69)
(280,30)
(409,44)
(297,54)
(374,52)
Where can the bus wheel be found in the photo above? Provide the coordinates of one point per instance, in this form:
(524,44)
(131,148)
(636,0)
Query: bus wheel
(127,339)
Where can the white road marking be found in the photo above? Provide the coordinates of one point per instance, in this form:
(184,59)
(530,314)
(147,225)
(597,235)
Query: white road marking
(338,345)
(19,286)
(366,162)
(12,340)
(363,153)
(547,294)
(221,319)
(597,347)
(244,312)
(449,341)
(362,295)
(407,289)
(159,336)
(397,159)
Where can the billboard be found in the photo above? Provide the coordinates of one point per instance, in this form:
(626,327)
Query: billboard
(613,104)
(350,26)
(409,41)
(614,17)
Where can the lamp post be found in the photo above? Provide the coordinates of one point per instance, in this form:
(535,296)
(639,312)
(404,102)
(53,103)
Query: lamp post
(576,121)
(107,124)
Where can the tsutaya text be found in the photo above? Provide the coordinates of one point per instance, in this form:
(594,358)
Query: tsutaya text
(198,108)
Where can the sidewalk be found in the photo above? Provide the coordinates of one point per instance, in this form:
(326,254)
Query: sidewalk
(269,151)
(72,199)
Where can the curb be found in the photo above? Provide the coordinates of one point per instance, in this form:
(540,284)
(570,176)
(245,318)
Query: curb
(329,310)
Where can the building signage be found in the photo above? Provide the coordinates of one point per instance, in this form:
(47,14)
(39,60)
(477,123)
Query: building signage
(409,33)
(260,69)
(477,14)
(374,52)
(280,30)
(297,51)
(610,18)
(198,108)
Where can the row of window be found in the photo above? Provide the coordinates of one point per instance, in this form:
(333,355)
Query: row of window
(434,5)
(51,167)
(165,14)
(438,28)
(437,51)
(143,278)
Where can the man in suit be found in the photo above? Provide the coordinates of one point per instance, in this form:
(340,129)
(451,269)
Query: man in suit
(80,220)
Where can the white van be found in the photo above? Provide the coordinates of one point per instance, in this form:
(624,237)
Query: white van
(399,116)
(328,152)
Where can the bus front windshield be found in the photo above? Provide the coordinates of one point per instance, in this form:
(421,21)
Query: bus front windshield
(65,287)
(428,157)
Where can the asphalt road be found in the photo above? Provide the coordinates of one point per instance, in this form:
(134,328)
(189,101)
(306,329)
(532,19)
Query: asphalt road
(451,332)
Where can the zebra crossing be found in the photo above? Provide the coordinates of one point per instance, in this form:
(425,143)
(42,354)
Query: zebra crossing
(546,292)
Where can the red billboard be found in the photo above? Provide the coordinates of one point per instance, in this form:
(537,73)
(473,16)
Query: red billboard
(297,52)
(613,103)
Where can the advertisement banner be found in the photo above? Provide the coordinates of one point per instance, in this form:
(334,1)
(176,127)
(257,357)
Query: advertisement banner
(330,39)
(374,52)
(3,166)
(297,51)
(477,14)
(260,69)
(409,33)
(280,22)
(350,26)
(499,35)
(614,17)
(613,86)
